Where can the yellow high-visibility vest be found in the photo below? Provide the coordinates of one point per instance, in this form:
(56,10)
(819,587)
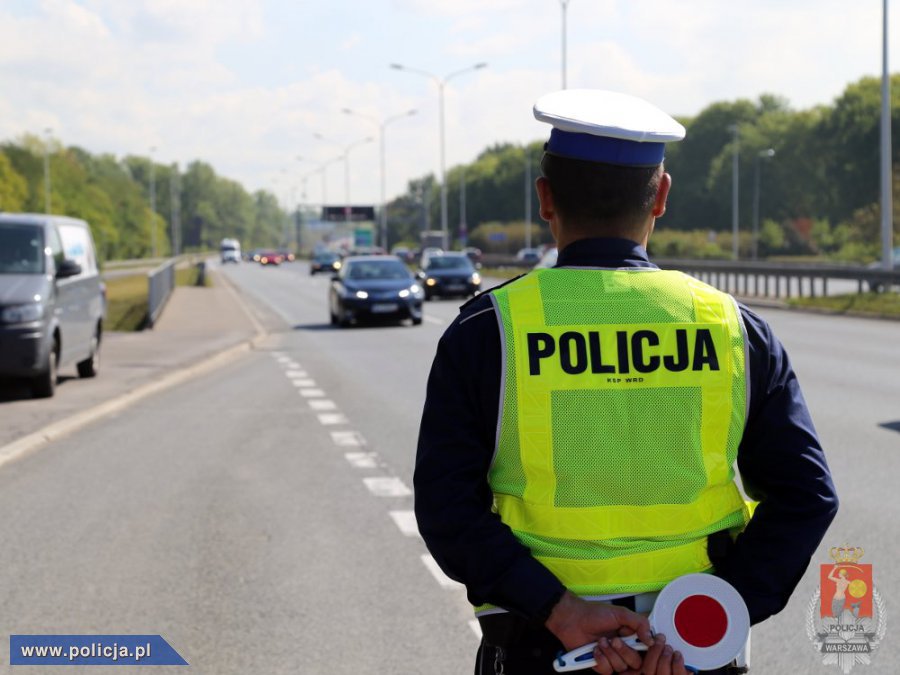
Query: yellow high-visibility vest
(623,403)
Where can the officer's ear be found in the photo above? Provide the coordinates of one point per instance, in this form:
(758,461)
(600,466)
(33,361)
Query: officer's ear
(662,194)
(545,198)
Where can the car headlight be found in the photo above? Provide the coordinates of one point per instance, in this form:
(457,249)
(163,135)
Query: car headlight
(430,281)
(476,278)
(362,295)
(337,265)
(404,293)
(22,313)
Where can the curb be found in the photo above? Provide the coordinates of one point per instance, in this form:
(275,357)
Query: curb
(56,430)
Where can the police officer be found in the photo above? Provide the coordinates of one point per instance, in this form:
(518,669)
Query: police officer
(582,423)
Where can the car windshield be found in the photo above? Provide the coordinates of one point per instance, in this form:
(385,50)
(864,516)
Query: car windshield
(377,269)
(448,262)
(327,257)
(21,249)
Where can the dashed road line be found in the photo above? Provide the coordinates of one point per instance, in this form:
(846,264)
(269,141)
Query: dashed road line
(406,522)
(387,486)
(443,580)
(362,460)
(431,319)
(304,383)
(347,438)
(322,404)
(327,419)
(312,393)
(294,374)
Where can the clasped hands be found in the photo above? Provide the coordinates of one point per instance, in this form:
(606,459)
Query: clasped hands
(577,622)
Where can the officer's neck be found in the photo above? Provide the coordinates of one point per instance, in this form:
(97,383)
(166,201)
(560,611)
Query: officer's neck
(565,236)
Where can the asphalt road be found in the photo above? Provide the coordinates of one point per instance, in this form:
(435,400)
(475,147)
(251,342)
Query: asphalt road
(257,517)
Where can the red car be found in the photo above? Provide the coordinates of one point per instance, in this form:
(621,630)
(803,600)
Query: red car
(271,258)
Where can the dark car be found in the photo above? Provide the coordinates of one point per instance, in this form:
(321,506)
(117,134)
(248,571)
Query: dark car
(328,261)
(449,274)
(374,287)
(52,300)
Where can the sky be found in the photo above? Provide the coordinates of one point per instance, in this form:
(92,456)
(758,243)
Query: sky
(257,88)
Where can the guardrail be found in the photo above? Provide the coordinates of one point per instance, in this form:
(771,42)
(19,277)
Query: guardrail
(781,279)
(160,284)
(762,279)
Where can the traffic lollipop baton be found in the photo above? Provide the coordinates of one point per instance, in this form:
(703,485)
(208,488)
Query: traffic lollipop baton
(701,615)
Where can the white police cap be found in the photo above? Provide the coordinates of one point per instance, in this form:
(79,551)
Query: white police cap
(606,126)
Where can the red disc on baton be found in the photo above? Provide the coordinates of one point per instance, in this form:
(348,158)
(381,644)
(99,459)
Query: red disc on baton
(701,621)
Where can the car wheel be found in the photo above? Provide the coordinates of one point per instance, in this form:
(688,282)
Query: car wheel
(91,365)
(417,321)
(44,385)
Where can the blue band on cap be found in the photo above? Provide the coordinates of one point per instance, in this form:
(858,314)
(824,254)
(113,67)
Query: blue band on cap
(604,149)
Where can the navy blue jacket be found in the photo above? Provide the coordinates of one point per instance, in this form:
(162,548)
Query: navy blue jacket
(780,461)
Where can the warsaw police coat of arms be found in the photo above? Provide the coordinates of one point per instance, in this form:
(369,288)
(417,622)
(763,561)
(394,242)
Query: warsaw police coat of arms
(846,618)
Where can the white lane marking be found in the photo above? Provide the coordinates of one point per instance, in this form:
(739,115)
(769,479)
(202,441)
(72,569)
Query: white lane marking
(476,628)
(431,319)
(304,383)
(406,521)
(292,365)
(297,374)
(312,393)
(332,418)
(322,404)
(347,438)
(438,574)
(362,460)
(387,486)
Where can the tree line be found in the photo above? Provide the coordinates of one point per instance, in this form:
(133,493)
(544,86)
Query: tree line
(808,178)
(114,196)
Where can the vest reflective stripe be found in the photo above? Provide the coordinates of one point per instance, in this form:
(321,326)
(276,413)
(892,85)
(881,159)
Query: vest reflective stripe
(578,361)
(616,522)
(642,570)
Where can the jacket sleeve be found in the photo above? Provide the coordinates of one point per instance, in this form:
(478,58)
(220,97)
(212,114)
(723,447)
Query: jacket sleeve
(453,500)
(783,467)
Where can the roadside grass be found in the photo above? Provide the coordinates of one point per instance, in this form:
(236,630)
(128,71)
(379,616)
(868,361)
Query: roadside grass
(126,298)
(126,302)
(883,305)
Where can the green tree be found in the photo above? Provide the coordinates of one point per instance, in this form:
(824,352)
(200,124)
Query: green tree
(13,188)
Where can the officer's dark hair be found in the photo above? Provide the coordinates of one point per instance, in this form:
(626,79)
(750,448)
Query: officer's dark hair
(601,198)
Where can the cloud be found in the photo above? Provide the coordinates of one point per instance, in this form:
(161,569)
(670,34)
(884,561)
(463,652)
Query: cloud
(115,76)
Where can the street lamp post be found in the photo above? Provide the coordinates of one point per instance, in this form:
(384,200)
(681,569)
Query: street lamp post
(762,154)
(463,225)
(347,149)
(153,203)
(47,131)
(381,124)
(441,82)
(735,162)
(887,198)
(175,207)
(527,198)
(565,5)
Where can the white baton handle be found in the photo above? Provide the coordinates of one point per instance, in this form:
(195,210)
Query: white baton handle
(582,657)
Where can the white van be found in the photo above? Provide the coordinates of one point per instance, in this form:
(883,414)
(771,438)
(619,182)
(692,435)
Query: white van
(230,250)
(52,300)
